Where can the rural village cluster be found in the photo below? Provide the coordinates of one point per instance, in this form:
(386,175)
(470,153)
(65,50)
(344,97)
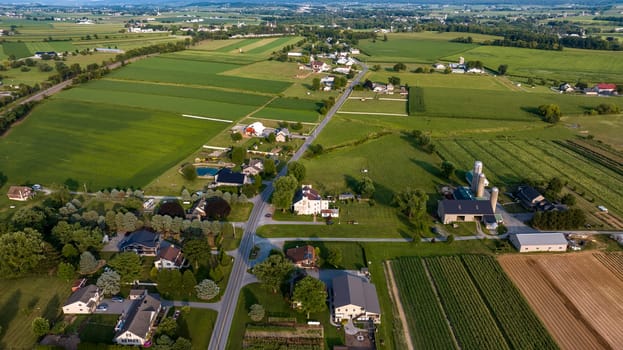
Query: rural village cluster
(325,176)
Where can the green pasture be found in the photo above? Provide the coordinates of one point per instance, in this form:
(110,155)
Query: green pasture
(449,81)
(570,64)
(353,255)
(99,144)
(500,105)
(269,70)
(606,128)
(274,45)
(408,49)
(174,105)
(237,44)
(441,36)
(287,114)
(194,73)
(24,299)
(213,56)
(19,50)
(376,105)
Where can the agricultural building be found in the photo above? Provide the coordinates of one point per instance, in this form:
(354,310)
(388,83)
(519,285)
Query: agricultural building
(450,211)
(83,301)
(539,242)
(19,193)
(303,257)
(533,200)
(605,89)
(136,326)
(255,129)
(355,298)
(308,201)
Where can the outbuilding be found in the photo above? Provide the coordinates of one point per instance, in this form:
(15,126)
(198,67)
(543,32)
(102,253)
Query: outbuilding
(539,242)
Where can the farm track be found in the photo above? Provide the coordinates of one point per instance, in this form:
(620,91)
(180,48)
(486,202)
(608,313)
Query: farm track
(575,295)
(397,302)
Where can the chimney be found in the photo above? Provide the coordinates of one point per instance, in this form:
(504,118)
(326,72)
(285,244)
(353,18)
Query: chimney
(494,198)
(480,191)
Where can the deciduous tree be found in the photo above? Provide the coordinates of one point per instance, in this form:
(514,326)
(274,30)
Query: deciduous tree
(284,192)
(128,265)
(311,294)
(65,271)
(40,326)
(273,271)
(297,170)
(189,172)
(412,203)
(447,169)
(207,289)
(20,252)
(109,282)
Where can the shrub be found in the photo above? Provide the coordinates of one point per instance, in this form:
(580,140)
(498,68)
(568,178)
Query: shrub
(256,312)
(217,208)
(207,289)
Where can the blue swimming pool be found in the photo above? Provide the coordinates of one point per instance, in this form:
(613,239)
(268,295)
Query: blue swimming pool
(207,171)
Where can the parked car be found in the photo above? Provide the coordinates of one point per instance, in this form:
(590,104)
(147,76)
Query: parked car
(268,215)
(117,299)
(102,307)
(176,314)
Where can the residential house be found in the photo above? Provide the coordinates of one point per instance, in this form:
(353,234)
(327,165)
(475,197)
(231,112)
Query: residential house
(566,87)
(136,326)
(19,193)
(355,298)
(342,70)
(606,89)
(308,201)
(354,51)
(529,197)
(197,211)
(83,300)
(226,177)
(327,82)
(439,66)
(379,88)
(170,257)
(255,129)
(319,67)
(142,242)
(346,196)
(255,167)
(137,294)
(303,257)
(282,135)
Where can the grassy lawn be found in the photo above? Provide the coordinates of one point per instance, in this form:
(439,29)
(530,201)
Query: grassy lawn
(353,255)
(288,216)
(24,299)
(606,128)
(97,328)
(376,106)
(276,306)
(197,325)
(240,212)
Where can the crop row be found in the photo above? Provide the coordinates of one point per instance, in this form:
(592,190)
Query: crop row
(520,325)
(426,320)
(473,324)
(613,261)
(416,100)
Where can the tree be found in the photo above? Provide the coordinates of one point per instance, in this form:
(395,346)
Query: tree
(167,326)
(273,271)
(393,80)
(399,67)
(197,251)
(88,264)
(65,271)
(128,265)
(256,312)
(109,282)
(334,257)
(365,187)
(316,84)
(20,252)
(550,112)
(188,283)
(284,192)
(69,251)
(447,169)
(568,199)
(412,203)
(207,289)
(27,217)
(237,155)
(450,239)
(40,326)
(311,294)
(182,344)
(297,170)
(236,136)
(269,167)
(502,69)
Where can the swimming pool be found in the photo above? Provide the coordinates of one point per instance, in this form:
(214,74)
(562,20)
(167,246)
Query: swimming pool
(203,171)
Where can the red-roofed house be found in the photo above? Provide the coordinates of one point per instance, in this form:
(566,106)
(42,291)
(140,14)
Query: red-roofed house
(19,193)
(319,66)
(304,257)
(606,89)
(170,257)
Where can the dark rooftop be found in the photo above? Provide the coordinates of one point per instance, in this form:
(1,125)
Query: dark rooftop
(467,207)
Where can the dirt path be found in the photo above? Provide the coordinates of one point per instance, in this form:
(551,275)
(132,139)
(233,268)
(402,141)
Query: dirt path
(396,299)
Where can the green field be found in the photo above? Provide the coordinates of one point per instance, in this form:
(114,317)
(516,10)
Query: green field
(197,325)
(21,300)
(570,64)
(410,49)
(375,106)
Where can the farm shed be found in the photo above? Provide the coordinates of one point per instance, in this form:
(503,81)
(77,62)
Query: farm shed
(539,242)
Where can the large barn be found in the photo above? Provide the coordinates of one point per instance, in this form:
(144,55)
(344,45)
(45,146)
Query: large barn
(539,242)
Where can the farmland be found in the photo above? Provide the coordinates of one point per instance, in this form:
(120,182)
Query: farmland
(474,297)
(575,295)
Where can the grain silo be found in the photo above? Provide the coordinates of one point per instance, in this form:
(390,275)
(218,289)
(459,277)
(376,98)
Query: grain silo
(494,197)
(476,174)
(480,191)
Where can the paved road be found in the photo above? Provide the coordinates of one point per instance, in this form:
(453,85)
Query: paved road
(222,326)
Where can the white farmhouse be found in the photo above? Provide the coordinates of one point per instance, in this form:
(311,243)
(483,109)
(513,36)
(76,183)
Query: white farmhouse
(136,326)
(355,298)
(83,301)
(308,201)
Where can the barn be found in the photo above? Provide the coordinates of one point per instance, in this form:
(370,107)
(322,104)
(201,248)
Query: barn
(539,242)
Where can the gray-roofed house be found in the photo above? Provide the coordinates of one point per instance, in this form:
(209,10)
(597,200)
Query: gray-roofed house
(83,301)
(135,327)
(282,135)
(529,197)
(355,298)
(142,242)
(450,211)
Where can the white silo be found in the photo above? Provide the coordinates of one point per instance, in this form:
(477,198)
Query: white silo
(494,197)
(480,191)
(475,175)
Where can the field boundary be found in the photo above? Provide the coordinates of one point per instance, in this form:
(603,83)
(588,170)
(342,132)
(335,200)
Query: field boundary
(206,118)
(375,113)
(395,296)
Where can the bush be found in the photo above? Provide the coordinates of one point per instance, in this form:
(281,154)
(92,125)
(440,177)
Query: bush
(173,208)
(207,289)
(256,312)
(217,208)
(189,172)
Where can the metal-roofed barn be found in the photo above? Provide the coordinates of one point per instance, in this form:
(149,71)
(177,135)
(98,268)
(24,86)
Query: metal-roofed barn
(539,242)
